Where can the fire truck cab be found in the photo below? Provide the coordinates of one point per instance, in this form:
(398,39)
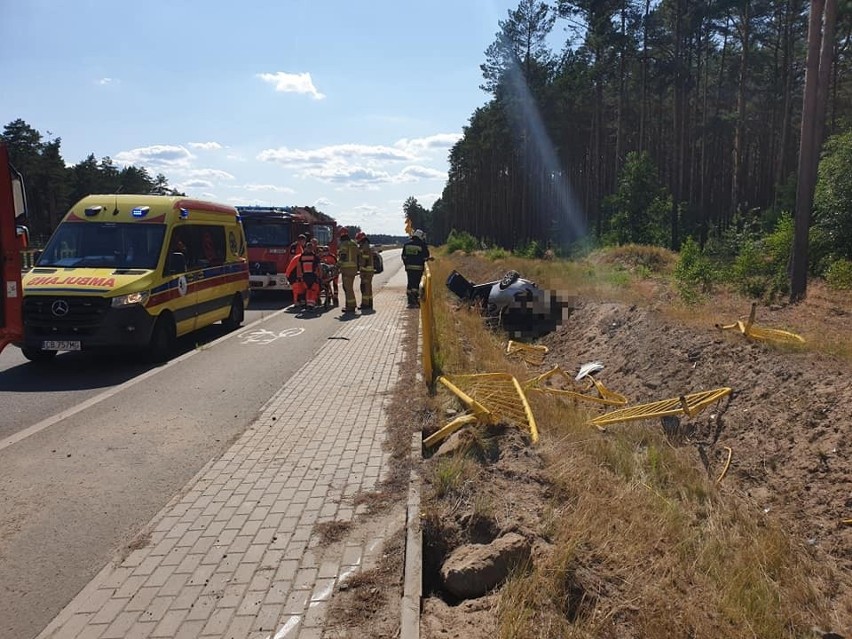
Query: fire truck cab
(271,235)
(14,237)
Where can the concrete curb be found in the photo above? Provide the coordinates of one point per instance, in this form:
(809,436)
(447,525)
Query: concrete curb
(412,591)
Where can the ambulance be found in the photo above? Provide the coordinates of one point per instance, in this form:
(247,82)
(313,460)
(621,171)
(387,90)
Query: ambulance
(135,271)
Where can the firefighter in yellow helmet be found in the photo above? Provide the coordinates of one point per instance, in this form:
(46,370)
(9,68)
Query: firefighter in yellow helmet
(366,270)
(347,262)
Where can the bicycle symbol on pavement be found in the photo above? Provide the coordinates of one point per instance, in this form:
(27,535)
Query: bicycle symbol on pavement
(263,336)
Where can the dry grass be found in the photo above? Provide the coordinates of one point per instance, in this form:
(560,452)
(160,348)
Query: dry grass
(645,544)
(332,531)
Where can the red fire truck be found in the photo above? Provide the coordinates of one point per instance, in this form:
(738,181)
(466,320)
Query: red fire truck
(13,238)
(271,234)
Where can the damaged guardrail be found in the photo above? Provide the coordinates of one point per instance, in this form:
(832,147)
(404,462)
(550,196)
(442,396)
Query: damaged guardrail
(761,334)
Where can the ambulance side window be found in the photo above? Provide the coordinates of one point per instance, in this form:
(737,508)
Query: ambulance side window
(210,241)
(180,242)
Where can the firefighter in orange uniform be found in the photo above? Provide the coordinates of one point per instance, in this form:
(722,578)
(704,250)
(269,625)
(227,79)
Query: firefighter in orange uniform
(309,272)
(366,270)
(291,274)
(347,262)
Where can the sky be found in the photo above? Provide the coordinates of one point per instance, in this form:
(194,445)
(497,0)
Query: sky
(347,105)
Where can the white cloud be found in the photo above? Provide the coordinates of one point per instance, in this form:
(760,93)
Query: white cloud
(235,157)
(292,83)
(323,202)
(367,210)
(267,187)
(439,141)
(427,199)
(338,153)
(205,146)
(158,155)
(352,176)
(414,173)
(106,81)
(196,184)
(210,174)
(209,195)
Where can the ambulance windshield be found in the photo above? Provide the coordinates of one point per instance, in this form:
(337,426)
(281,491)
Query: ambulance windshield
(118,246)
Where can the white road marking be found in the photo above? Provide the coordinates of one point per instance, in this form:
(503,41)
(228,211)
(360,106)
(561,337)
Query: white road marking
(50,421)
(263,336)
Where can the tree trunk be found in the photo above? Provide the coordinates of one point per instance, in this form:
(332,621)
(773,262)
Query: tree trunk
(738,172)
(808,151)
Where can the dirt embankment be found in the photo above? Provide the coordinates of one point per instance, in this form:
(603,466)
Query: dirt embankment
(786,423)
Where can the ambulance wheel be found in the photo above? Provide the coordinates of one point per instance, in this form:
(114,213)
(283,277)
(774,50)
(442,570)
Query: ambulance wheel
(37,355)
(237,314)
(163,339)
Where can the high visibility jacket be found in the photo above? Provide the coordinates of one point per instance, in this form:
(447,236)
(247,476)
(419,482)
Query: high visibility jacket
(347,255)
(308,264)
(365,258)
(414,254)
(292,267)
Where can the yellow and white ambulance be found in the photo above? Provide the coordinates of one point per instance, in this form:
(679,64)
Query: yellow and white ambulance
(135,271)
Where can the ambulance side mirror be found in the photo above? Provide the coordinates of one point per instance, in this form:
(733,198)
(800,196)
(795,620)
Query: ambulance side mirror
(177,263)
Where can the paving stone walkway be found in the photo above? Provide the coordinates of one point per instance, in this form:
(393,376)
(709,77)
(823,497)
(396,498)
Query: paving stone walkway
(236,554)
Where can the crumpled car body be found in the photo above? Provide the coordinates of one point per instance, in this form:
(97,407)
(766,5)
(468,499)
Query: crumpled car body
(516,304)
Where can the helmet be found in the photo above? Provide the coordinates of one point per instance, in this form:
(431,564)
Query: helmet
(419,233)
(343,231)
(361,236)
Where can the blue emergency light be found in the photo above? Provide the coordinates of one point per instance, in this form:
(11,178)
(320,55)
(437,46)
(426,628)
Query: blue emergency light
(93,210)
(140,211)
(184,214)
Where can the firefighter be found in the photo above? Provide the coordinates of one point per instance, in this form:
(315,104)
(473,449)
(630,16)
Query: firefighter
(347,262)
(415,253)
(309,273)
(365,270)
(298,286)
(300,245)
(327,257)
(291,273)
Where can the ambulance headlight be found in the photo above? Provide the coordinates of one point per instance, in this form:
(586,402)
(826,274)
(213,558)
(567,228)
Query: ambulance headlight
(130,299)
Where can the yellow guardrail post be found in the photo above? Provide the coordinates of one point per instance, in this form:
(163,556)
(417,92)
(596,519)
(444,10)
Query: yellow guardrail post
(427,323)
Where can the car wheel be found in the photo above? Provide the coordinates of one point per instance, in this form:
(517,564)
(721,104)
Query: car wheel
(162,342)
(37,355)
(237,314)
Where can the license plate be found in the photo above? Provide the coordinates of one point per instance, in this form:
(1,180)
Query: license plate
(60,345)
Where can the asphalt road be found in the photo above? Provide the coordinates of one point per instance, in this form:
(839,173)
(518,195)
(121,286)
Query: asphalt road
(91,448)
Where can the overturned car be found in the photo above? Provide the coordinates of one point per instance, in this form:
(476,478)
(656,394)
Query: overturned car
(515,304)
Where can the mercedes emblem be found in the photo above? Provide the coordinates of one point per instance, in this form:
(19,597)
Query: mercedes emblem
(59,308)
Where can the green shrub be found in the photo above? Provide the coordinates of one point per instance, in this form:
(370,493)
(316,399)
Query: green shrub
(532,250)
(748,272)
(760,268)
(461,241)
(693,273)
(496,253)
(839,275)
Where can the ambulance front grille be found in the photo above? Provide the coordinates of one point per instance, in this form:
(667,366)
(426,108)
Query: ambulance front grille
(56,314)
